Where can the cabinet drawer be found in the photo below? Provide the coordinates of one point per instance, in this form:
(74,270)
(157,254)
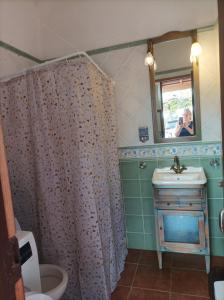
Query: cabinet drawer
(166,204)
(178,194)
(192,204)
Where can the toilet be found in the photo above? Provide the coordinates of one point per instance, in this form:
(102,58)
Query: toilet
(41,281)
(53,280)
(36,296)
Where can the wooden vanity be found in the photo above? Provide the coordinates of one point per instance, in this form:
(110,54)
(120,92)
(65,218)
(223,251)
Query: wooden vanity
(181,220)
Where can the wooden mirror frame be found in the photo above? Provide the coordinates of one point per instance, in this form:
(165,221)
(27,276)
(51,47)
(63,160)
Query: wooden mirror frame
(169,36)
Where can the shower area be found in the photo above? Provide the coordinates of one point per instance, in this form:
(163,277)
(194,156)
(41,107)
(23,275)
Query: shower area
(59,125)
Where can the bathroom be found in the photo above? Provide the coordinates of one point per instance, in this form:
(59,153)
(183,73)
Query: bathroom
(34,32)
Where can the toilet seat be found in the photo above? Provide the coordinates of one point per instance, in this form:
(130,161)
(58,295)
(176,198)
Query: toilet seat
(54,280)
(36,296)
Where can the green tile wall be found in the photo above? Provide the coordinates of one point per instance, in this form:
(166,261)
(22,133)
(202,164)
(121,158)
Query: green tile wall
(137,195)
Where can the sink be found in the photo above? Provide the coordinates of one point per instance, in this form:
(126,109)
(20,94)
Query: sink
(191,176)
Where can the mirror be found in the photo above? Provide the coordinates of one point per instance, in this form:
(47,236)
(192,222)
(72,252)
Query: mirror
(174,83)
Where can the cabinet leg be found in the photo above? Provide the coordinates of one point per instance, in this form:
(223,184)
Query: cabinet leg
(207,263)
(160,259)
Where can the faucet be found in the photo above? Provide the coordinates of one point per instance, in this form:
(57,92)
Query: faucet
(176,166)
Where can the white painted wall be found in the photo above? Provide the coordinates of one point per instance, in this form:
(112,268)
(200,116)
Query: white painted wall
(20,28)
(11,63)
(209,76)
(51,28)
(19,25)
(84,25)
(127,68)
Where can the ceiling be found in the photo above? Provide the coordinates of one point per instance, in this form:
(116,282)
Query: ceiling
(50,28)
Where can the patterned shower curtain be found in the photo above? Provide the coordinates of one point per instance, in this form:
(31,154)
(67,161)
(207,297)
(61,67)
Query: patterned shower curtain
(61,141)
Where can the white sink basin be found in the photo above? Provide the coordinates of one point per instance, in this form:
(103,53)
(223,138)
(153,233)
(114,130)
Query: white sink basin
(192,176)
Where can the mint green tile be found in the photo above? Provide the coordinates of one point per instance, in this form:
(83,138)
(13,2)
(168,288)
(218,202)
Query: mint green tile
(148,208)
(190,162)
(129,170)
(134,223)
(133,206)
(214,230)
(130,188)
(167,162)
(149,169)
(214,191)
(214,207)
(217,246)
(135,240)
(149,224)
(146,188)
(210,171)
(150,242)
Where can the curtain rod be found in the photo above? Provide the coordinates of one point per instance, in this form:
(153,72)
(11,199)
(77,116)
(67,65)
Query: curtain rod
(67,57)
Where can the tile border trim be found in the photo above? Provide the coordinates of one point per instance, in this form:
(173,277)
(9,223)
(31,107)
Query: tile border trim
(169,150)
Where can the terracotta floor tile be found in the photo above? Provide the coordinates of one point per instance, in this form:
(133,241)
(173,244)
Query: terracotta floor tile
(150,277)
(190,282)
(141,294)
(150,258)
(188,261)
(121,293)
(217,261)
(127,275)
(216,274)
(186,297)
(133,255)
(180,279)
(167,259)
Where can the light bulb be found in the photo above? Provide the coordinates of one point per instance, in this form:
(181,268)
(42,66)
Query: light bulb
(149,60)
(195,51)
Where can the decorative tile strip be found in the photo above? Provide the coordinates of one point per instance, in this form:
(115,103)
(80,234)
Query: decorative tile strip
(157,151)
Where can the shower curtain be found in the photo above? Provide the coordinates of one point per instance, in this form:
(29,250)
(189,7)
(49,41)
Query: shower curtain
(60,135)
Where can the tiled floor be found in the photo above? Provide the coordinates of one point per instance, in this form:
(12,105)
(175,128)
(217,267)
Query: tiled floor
(182,278)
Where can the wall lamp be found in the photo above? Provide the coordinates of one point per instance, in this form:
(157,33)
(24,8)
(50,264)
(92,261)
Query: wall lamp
(150,61)
(195,52)
(194,55)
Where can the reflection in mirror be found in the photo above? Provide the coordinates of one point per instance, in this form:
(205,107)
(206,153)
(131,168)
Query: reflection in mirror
(174,90)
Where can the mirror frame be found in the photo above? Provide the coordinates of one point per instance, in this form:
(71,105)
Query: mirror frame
(169,36)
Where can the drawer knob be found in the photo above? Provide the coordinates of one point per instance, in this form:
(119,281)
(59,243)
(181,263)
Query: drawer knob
(160,228)
(168,203)
(190,204)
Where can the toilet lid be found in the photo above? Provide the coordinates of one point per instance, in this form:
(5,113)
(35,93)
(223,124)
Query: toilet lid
(36,296)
